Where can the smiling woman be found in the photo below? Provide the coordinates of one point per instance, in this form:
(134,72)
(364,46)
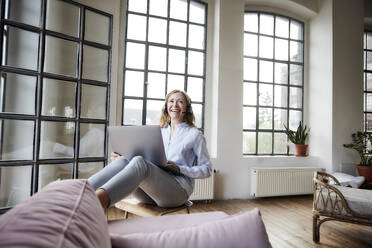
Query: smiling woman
(187,158)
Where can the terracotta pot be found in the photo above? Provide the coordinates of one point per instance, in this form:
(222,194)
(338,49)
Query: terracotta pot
(365,171)
(301,150)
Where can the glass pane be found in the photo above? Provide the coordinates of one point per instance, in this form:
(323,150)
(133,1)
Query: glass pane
(93,101)
(92,140)
(250,69)
(95,63)
(178,9)
(25,11)
(281,73)
(58,98)
(159,7)
(52,172)
(157,30)
(281,96)
(197,110)
(136,27)
(282,27)
(157,58)
(249,118)
(266,24)
(176,61)
(132,112)
(135,55)
(369,60)
(249,142)
(251,22)
(88,169)
(296,53)
(369,81)
(295,76)
(264,142)
(294,119)
(368,122)
(63,17)
(18,93)
(280,143)
(281,49)
(137,6)
(280,119)
(295,97)
(153,112)
(250,94)
(196,36)
(266,95)
(175,82)
(15,185)
(20,48)
(369,102)
(369,41)
(196,63)
(296,30)
(97,27)
(266,71)
(197,12)
(133,83)
(177,33)
(57,139)
(250,44)
(266,47)
(265,118)
(17,139)
(195,88)
(61,56)
(156,85)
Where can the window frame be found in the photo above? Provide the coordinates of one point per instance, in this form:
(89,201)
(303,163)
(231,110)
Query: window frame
(144,98)
(40,74)
(258,83)
(365,73)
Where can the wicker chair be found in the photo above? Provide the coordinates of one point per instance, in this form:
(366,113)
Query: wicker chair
(335,202)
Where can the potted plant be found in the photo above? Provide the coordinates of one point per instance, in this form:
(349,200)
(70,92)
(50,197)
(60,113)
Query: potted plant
(361,142)
(298,138)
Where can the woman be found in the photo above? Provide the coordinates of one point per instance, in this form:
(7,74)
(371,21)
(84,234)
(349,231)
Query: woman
(184,147)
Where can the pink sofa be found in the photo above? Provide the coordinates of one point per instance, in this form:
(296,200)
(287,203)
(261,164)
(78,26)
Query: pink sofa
(68,214)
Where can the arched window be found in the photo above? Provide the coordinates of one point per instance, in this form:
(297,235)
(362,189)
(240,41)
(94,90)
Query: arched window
(273,81)
(165,49)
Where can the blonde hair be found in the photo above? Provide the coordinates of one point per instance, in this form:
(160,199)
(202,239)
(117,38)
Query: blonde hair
(189,117)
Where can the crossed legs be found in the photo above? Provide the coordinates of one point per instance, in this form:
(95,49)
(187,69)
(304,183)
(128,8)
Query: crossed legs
(146,180)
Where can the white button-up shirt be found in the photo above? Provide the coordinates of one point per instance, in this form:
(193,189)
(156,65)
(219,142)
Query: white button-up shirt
(186,146)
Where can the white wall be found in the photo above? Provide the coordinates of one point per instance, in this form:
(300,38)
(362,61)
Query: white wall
(319,84)
(347,80)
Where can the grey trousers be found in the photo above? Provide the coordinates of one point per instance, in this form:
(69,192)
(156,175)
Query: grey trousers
(146,181)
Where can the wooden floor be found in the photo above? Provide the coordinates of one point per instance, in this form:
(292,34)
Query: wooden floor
(288,221)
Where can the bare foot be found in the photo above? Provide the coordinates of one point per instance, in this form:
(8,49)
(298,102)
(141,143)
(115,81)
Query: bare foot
(103,197)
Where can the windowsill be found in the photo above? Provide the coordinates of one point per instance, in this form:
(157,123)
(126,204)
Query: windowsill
(274,156)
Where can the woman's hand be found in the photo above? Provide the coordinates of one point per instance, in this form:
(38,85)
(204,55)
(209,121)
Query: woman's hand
(114,156)
(172,165)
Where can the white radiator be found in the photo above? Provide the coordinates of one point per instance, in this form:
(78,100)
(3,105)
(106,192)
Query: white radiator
(203,189)
(282,181)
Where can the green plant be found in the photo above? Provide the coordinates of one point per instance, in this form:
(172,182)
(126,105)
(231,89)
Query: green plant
(298,137)
(360,141)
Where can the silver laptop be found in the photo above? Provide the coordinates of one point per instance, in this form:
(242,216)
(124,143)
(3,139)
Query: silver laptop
(145,141)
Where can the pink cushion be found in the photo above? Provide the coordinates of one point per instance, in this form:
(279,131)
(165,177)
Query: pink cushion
(64,214)
(157,224)
(240,230)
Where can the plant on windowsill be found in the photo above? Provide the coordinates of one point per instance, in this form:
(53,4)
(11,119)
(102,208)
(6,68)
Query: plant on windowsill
(361,142)
(298,138)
